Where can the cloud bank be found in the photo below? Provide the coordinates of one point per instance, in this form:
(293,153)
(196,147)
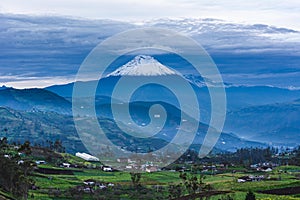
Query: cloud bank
(44,47)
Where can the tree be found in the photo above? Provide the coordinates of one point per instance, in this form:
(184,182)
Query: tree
(135,179)
(25,148)
(58,147)
(15,176)
(6,131)
(250,196)
(194,184)
(27,167)
(175,191)
(23,185)
(3,143)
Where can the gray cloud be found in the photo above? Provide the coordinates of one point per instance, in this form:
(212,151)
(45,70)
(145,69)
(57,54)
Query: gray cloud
(44,46)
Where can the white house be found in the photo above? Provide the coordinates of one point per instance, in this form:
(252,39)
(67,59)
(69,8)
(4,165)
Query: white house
(267,170)
(39,162)
(89,182)
(240,180)
(67,165)
(107,169)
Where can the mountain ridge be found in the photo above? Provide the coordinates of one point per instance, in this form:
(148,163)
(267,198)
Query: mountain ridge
(34,99)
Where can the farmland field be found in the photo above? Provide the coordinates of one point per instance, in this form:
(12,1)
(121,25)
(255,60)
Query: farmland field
(222,182)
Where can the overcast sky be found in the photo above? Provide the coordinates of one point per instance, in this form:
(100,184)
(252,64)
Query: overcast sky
(283,13)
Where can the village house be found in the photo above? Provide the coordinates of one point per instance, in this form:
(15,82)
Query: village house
(89,182)
(40,162)
(107,169)
(65,165)
(250,178)
(264,167)
(151,169)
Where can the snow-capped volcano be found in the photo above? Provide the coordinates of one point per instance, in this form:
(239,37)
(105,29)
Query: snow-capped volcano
(143,65)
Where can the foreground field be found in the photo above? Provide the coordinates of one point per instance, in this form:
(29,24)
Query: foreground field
(56,186)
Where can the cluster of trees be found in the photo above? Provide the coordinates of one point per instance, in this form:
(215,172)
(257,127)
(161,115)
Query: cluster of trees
(192,186)
(254,155)
(295,158)
(56,146)
(15,173)
(241,156)
(248,156)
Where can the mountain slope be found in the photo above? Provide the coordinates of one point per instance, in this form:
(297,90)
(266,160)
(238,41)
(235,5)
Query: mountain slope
(276,123)
(285,136)
(39,128)
(246,96)
(139,113)
(34,99)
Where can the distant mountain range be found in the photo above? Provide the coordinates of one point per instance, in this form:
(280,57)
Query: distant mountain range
(253,111)
(258,116)
(40,114)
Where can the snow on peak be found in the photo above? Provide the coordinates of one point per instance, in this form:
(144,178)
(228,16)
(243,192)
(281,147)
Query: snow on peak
(142,65)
